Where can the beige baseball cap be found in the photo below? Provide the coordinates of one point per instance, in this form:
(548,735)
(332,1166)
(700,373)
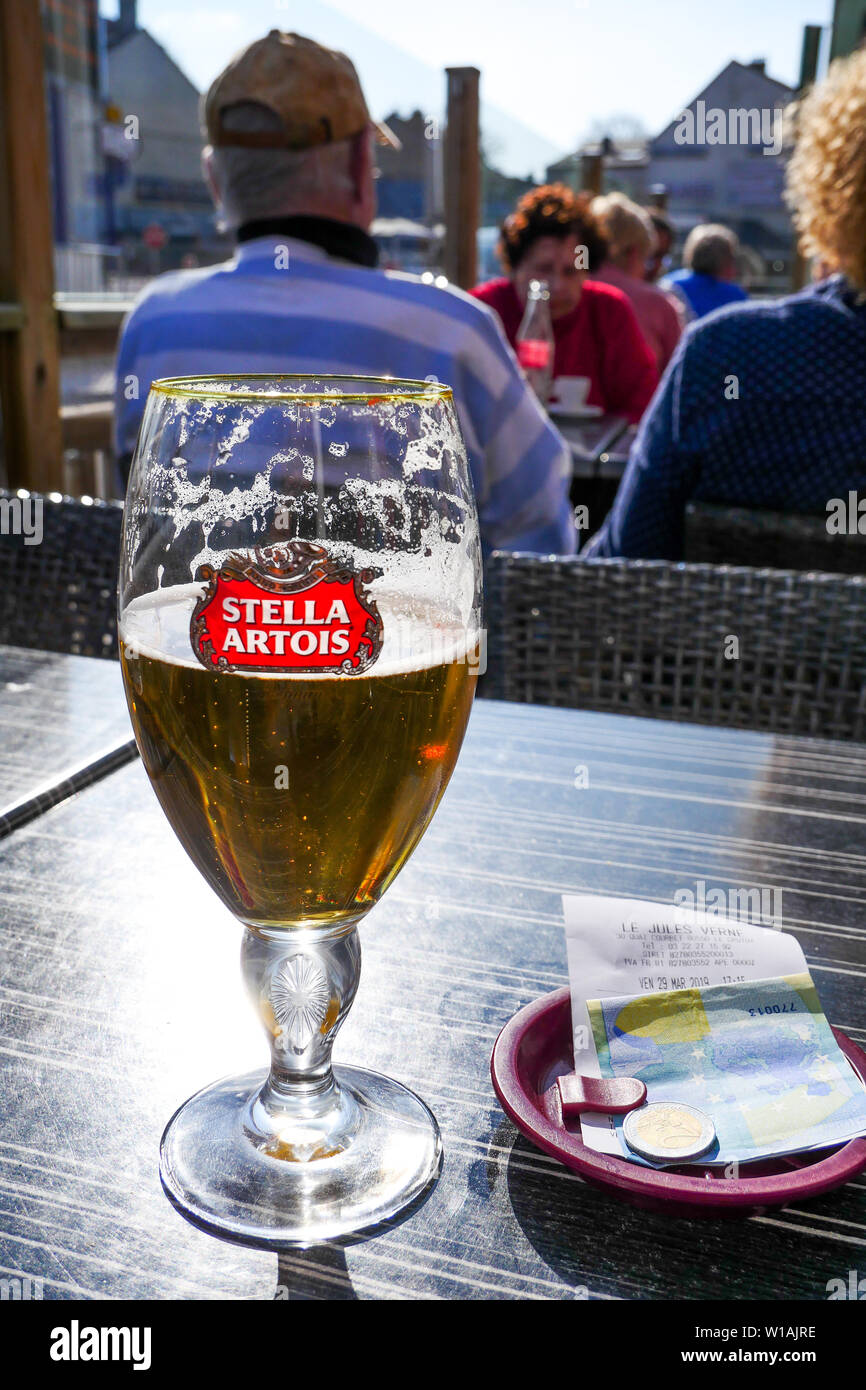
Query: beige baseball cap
(314,90)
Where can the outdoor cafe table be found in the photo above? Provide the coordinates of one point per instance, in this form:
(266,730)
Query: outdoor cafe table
(588,439)
(121,995)
(591,442)
(63,722)
(614,457)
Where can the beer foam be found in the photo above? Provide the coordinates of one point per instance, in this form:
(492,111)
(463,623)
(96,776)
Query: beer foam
(266,470)
(417,633)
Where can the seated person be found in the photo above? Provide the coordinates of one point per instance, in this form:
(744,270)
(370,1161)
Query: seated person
(708,277)
(762,404)
(659,259)
(553,236)
(630,238)
(290,165)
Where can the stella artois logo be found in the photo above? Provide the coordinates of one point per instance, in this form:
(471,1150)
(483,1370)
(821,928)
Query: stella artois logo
(291,607)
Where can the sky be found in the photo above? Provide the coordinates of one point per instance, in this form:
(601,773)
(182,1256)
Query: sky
(549,68)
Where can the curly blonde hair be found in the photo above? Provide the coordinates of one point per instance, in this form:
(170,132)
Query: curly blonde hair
(826,176)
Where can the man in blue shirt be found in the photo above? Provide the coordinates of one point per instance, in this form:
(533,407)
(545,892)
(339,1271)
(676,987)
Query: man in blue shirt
(708,278)
(290,165)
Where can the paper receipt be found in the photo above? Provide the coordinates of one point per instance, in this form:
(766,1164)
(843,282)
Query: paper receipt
(626,946)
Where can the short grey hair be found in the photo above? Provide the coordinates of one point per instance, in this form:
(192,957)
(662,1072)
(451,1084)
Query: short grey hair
(259,183)
(710,249)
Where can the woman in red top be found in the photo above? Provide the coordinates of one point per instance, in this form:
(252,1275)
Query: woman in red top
(552,236)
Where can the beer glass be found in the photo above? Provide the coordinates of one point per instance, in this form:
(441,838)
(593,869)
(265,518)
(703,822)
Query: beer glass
(299,608)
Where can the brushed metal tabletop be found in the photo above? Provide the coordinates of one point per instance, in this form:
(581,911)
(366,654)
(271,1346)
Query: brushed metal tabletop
(588,439)
(121,995)
(63,723)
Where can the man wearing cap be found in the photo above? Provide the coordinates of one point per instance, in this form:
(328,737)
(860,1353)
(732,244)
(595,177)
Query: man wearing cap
(290,166)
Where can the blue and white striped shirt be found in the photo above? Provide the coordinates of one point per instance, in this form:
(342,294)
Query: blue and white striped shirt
(326,315)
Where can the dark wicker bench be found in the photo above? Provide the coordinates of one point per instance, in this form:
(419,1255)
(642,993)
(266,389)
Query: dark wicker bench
(650,638)
(718,535)
(61,594)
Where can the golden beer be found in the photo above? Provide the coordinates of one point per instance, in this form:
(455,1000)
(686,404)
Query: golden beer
(299,797)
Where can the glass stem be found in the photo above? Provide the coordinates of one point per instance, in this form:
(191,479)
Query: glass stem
(302,984)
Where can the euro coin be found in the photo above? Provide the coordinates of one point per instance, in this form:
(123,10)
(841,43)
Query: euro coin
(667,1132)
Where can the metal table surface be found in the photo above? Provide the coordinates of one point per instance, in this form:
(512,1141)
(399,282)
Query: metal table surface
(63,722)
(588,438)
(121,995)
(614,457)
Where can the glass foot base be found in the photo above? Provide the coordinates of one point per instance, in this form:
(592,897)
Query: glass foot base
(278,1183)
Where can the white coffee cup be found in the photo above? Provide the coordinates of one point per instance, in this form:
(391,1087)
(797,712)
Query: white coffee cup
(571,391)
